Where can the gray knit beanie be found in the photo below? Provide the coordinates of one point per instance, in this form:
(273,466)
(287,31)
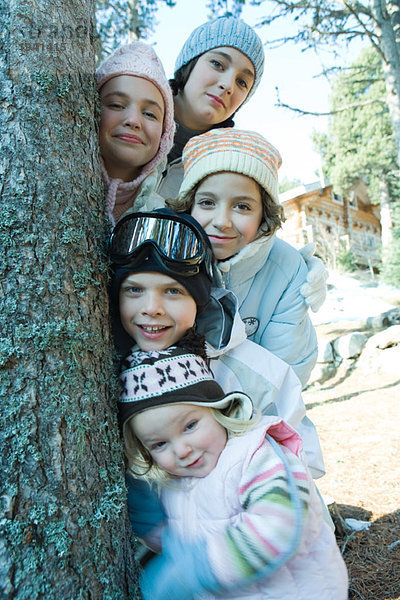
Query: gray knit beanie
(224,31)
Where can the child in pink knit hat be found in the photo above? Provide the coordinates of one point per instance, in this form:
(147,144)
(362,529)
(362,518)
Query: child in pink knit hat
(136,127)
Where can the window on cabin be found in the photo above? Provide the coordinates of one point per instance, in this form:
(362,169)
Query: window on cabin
(353,201)
(336,198)
(370,241)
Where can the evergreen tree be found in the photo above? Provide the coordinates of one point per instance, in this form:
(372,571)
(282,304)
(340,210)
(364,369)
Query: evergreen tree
(390,272)
(121,21)
(360,140)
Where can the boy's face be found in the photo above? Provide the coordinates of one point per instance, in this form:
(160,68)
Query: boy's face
(229,208)
(183,439)
(155,310)
(131,123)
(219,83)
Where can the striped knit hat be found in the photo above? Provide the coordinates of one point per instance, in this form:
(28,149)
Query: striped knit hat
(172,376)
(245,152)
(224,31)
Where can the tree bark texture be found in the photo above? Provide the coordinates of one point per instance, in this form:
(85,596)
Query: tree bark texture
(386,214)
(63,524)
(387,26)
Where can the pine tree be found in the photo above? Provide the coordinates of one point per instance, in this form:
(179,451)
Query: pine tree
(360,141)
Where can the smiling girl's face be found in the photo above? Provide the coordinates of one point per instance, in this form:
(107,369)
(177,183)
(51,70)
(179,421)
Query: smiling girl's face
(218,84)
(131,124)
(229,208)
(183,439)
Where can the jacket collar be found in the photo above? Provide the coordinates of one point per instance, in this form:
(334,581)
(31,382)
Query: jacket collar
(244,265)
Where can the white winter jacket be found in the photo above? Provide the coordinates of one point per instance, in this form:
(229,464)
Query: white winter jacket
(251,531)
(239,364)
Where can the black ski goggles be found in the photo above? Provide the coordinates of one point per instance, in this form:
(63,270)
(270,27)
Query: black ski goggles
(177,242)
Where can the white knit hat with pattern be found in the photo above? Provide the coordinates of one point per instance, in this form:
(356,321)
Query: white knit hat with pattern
(235,150)
(172,376)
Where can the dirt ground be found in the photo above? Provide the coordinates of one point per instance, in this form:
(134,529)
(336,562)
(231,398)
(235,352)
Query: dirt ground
(357,416)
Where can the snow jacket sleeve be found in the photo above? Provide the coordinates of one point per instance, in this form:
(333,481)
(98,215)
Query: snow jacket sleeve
(146,514)
(274,494)
(289,333)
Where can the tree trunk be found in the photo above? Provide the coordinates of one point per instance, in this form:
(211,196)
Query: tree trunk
(386,216)
(387,28)
(63,522)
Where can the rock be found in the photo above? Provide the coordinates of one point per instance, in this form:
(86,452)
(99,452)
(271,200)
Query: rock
(382,352)
(350,345)
(378,322)
(393,316)
(385,339)
(321,372)
(385,319)
(325,351)
(389,361)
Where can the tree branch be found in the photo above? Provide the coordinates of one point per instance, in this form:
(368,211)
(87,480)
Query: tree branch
(369,33)
(303,112)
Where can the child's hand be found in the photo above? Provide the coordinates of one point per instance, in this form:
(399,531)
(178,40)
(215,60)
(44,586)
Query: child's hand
(314,290)
(179,573)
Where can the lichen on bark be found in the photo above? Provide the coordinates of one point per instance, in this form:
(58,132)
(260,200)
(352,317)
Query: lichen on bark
(63,521)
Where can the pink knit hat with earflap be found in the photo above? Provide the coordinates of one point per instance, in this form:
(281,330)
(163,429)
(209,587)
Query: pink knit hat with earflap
(139,60)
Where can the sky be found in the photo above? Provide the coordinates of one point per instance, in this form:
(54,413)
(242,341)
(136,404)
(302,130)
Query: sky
(289,69)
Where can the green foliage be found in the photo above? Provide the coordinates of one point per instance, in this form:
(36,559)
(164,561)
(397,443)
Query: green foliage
(345,259)
(226,8)
(390,272)
(120,21)
(288,184)
(360,140)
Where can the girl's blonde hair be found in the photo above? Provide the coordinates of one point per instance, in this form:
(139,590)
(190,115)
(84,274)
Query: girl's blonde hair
(140,462)
(273,213)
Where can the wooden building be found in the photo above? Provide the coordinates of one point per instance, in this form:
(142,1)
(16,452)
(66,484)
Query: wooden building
(314,213)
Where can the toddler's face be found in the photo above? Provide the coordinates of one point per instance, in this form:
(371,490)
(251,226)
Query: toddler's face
(131,123)
(155,310)
(184,440)
(229,208)
(219,83)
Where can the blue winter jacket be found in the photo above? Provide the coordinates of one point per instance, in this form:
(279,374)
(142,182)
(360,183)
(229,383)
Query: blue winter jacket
(266,276)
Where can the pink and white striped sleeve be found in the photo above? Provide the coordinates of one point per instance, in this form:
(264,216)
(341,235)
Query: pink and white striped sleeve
(274,494)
